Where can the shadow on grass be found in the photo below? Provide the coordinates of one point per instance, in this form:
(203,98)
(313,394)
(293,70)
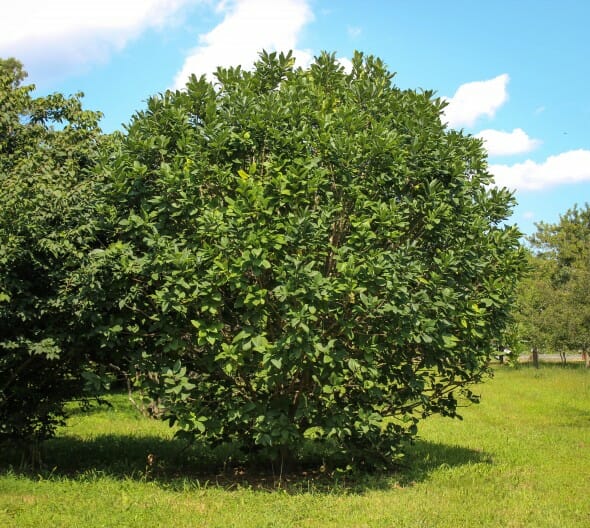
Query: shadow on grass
(174,465)
(425,457)
(572,363)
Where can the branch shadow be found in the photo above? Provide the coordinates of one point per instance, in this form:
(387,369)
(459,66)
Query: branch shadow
(175,465)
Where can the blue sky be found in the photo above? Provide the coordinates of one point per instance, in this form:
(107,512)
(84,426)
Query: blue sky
(515,72)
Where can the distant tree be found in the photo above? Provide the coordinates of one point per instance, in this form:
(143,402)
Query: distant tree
(555,299)
(48,147)
(303,254)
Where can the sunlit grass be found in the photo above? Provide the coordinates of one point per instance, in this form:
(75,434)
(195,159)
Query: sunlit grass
(520,459)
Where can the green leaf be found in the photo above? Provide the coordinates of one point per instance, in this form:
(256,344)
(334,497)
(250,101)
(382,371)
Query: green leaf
(277,363)
(450,341)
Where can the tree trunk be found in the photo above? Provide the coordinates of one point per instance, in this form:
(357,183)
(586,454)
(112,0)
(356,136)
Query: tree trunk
(535,357)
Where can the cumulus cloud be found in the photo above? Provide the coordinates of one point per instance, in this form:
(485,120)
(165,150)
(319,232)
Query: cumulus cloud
(475,99)
(55,36)
(500,143)
(568,167)
(249,26)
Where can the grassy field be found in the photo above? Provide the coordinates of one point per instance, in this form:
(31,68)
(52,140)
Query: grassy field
(521,458)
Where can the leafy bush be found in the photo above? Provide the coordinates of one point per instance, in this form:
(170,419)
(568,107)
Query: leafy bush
(48,146)
(303,253)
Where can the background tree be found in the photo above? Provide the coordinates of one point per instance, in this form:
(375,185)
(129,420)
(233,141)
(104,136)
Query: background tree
(303,254)
(555,302)
(48,147)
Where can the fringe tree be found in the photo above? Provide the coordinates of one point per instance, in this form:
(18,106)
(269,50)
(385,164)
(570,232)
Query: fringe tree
(304,253)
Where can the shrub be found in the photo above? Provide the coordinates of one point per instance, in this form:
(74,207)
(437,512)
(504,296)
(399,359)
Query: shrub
(48,147)
(304,253)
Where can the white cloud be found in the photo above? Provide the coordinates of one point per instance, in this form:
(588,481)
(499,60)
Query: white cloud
(475,99)
(354,31)
(568,167)
(248,27)
(54,36)
(528,215)
(345,63)
(500,143)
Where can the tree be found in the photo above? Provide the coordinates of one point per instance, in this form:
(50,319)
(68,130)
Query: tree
(561,287)
(48,147)
(303,254)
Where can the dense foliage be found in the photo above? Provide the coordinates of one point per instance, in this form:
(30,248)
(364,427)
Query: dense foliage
(555,299)
(47,147)
(302,254)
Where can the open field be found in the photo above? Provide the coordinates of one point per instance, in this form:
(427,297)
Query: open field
(521,458)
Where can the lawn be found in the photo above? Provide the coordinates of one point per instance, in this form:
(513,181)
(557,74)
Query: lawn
(520,458)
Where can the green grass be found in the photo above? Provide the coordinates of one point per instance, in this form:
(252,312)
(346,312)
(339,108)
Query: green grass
(521,458)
